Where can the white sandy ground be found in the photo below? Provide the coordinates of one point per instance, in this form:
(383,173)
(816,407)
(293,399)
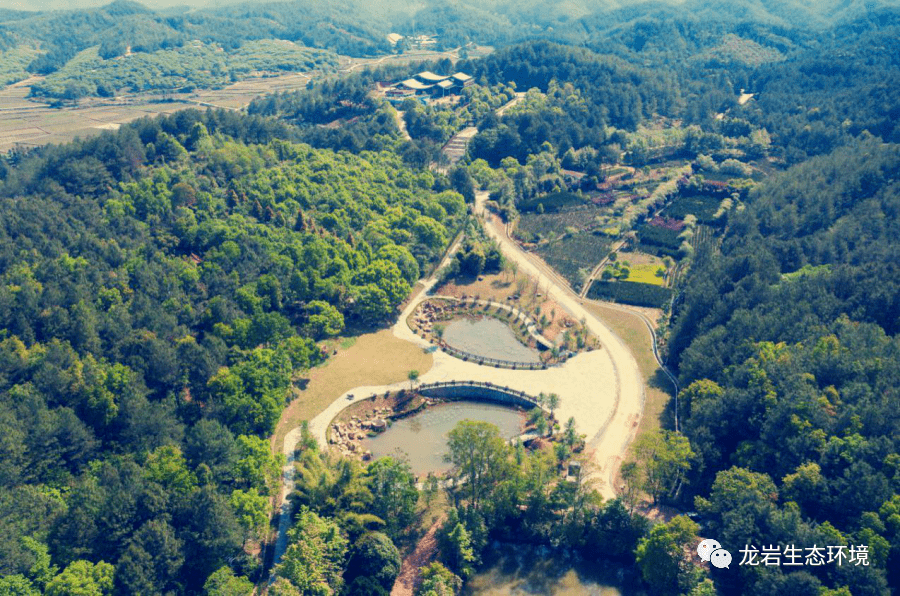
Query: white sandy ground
(603,389)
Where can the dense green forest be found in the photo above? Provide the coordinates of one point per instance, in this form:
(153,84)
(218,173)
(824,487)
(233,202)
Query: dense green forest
(686,37)
(124,25)
(786,343)
(160,287)
(182,69)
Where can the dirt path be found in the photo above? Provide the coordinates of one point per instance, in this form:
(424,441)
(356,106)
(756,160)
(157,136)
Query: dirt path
(425,552)
(401,124)
(519,97)
(598,270)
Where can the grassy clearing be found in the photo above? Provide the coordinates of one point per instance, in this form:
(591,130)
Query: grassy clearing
(646,274)
(372,359)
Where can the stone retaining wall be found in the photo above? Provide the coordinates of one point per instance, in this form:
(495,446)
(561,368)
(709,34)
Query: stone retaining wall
(474,390)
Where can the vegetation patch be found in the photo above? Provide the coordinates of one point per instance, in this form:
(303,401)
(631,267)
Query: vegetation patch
(629,292)
(13,64)
(551,203)
(659,239)
(647,274)
(703,207)
(532,227)
(575,256)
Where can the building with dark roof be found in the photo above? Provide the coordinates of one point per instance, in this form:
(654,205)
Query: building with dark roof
(428,83)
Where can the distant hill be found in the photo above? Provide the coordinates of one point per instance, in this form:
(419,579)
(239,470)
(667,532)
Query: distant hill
(739,31)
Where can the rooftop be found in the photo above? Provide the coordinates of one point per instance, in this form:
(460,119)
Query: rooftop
(414,84)
(430,76)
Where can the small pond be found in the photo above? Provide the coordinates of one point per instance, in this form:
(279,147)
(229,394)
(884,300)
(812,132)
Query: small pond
(423,436)
(489,338)
(524,570)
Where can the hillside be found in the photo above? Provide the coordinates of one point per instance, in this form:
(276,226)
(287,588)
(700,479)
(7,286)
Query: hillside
(46,42)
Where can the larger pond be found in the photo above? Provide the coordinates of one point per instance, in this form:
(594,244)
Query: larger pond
(488,338)
(524,570)
(422,438)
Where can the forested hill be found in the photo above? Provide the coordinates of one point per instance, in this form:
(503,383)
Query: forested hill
(786,342)
(845,83)
(124,25)
(45,42)
(160,286)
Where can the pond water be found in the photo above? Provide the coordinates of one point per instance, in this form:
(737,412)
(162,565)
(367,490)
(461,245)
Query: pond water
(490,338)
(523,570)
(423,436)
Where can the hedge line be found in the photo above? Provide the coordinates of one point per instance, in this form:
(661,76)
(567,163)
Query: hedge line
(630,292)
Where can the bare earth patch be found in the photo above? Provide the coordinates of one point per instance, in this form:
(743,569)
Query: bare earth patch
(424,553)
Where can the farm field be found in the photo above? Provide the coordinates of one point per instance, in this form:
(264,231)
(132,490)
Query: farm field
(551,203)
(575,256)
(531,227)
(646,274)
(28,123)
(703,207)
(640,267)
(630,292)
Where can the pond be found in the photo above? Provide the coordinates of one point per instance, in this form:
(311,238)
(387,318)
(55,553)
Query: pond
(524,570)
(489,338)
(423,436)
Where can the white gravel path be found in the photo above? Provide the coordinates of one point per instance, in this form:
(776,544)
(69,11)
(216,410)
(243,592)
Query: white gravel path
(608,447)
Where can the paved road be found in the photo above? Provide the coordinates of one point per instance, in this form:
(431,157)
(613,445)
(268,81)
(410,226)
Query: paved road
(610,443)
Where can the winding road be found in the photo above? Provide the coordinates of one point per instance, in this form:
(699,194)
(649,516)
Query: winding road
(609,444)
(603,390)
